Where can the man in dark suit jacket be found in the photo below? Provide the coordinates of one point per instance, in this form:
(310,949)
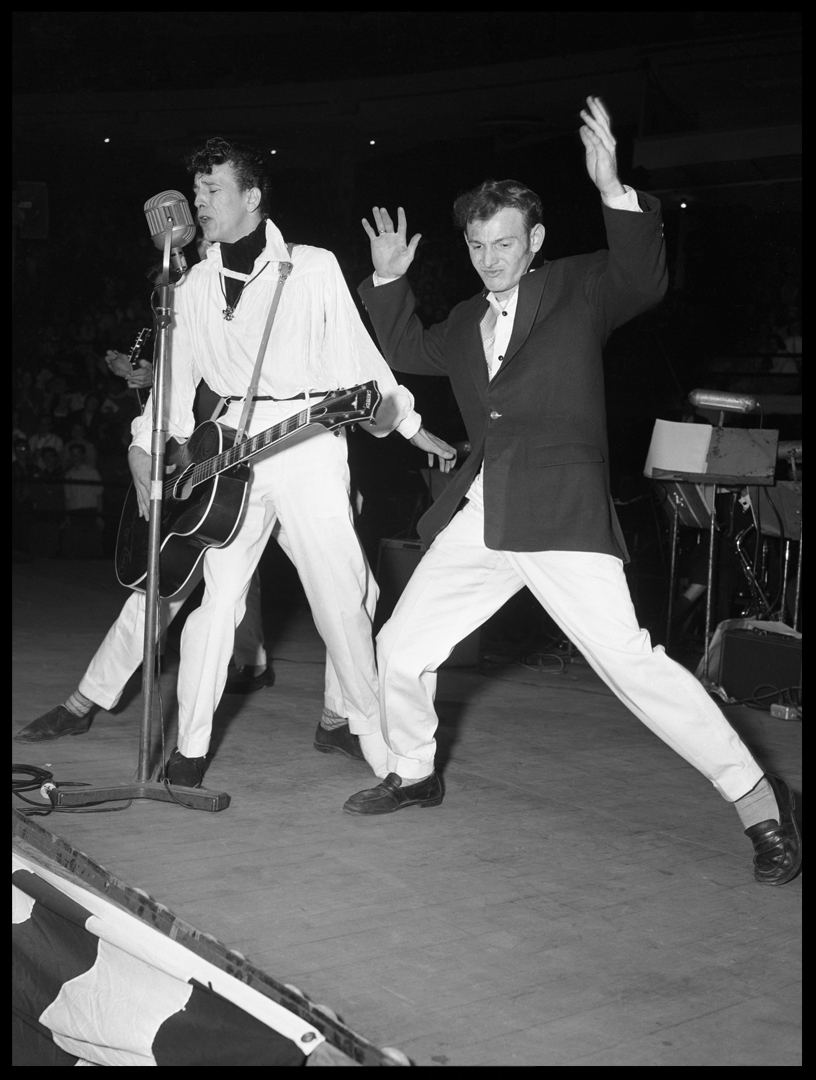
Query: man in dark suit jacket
(524,360)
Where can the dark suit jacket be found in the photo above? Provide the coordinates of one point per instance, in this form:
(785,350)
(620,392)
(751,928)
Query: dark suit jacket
(540,424)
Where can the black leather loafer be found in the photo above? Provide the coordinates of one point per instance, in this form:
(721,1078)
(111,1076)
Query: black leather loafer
(242,680)
(338,740)
(53,725)
(777,845)
(183,771)
(392,794)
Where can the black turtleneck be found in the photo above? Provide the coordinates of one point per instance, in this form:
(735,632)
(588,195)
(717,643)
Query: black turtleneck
(241,257)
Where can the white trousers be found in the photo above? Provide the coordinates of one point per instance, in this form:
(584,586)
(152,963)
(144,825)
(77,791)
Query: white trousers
(460,583)
(249,650)
(299,493)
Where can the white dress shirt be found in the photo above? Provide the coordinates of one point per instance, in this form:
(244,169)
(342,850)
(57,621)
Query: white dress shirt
(318,341)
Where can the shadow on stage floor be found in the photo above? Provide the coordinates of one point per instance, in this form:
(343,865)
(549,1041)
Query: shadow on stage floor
(581,897)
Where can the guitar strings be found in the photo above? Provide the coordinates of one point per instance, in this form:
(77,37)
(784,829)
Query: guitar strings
(205,470)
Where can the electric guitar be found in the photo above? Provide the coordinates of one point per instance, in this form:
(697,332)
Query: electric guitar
(206,487)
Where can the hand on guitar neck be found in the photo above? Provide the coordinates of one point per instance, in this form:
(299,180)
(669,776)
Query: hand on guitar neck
(140,378)
(130,366)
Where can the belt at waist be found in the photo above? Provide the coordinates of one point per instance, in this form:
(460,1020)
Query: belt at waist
(268,397)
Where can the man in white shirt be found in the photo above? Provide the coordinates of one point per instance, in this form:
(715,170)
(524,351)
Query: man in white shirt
(525,362)
(299,490)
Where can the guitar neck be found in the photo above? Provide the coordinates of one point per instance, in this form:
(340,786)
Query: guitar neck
(346,406)
(242,451)
(134,356)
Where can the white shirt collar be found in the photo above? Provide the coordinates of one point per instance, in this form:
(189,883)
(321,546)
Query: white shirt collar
(275,250)
(504,305)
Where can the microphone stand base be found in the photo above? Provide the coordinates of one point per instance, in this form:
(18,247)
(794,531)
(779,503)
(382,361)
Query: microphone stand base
(191,798)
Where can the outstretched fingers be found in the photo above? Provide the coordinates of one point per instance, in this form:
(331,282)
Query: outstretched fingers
(599,110)
(402,222)
(382,219)
(597,129)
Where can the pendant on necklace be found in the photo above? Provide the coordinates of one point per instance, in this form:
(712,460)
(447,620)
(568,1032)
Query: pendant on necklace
(228,312)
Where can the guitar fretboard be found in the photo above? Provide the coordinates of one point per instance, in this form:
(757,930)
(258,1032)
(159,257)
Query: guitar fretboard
(206,470)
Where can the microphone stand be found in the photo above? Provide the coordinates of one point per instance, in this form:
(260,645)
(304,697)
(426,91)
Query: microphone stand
(145,786)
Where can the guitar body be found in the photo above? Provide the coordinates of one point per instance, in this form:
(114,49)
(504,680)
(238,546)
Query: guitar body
(205,489)
(194,517)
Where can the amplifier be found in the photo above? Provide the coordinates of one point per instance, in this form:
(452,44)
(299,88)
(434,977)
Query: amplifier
(754,663)
(396,562)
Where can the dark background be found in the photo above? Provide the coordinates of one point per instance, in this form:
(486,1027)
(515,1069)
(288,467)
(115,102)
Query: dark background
(412,108)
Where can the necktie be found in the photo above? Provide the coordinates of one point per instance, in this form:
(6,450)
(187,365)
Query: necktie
(488,331)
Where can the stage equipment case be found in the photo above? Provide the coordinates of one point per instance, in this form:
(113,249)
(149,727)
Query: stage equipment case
(754,663)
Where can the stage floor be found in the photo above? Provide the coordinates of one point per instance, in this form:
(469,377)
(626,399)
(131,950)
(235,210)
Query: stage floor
(581,897)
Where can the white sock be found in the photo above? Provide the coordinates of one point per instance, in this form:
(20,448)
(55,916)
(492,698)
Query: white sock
(375,752)
(758,805)
(330,721)
(78,704)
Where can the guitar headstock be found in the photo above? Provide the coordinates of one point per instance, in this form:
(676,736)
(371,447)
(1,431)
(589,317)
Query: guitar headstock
(356,405)
(140,342)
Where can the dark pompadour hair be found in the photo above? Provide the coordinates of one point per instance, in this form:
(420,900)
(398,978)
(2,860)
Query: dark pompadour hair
(248,164)
(493,195)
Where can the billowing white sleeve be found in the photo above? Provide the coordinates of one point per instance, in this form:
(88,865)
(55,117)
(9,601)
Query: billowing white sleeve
(181,380)
(346,334)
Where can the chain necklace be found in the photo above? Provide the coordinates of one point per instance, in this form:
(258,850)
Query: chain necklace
(229,310)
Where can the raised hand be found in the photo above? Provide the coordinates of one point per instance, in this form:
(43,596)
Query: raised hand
(390,253)
(596,135)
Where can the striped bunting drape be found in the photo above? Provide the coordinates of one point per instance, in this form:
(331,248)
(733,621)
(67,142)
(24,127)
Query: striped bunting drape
(93,984)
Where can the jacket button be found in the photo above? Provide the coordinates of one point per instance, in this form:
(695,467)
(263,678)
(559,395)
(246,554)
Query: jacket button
(495,415)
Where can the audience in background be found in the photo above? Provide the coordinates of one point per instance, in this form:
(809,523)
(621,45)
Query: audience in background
(63,392)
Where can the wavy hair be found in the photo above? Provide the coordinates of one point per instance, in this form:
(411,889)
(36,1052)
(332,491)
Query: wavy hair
(490,196)
(248,165)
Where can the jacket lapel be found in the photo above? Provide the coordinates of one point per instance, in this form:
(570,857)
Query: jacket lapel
(468,344)
(531,291)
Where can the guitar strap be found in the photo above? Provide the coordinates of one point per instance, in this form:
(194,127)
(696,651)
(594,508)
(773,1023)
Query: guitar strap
(284,272)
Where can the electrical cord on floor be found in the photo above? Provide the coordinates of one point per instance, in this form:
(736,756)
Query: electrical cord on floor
(790,696)
(544,662)
(542,667)
(42,780)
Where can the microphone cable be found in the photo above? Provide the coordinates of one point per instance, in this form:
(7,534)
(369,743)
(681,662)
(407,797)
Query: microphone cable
(26,778)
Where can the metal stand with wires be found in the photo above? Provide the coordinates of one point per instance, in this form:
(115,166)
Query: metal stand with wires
(146,786)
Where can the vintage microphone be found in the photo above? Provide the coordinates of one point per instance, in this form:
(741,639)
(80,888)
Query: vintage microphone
(171,207)
(171,226)
(723,401)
